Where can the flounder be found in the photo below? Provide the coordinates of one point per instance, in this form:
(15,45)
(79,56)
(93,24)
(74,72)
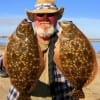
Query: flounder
(77,58)
(24,66)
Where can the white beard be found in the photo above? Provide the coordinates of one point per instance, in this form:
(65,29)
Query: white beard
(44,33)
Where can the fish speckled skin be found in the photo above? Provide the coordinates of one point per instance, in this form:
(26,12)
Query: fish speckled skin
(23,59)
(78,59)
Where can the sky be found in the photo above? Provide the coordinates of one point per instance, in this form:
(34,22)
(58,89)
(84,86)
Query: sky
(85,14)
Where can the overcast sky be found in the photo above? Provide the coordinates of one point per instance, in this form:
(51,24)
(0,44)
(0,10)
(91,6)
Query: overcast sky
(84,13)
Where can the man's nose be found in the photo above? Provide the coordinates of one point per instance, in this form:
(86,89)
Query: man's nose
(45,17)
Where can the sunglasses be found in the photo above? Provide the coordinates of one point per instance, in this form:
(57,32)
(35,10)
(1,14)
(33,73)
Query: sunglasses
(48,15)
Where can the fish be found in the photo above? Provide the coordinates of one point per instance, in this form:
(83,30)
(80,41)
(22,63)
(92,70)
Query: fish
(77,58)
(24,59)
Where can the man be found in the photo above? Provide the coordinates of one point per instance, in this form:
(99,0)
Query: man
(52,85)
(2,69)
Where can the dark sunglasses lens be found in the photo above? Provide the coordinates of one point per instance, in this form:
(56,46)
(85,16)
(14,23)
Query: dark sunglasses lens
(40,15)
(48,15)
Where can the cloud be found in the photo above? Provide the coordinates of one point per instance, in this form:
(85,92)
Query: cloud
(9,21)
(8,25)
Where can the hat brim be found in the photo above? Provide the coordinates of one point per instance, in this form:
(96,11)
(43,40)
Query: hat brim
(31,14)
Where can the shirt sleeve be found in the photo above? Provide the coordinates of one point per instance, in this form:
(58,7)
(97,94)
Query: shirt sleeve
(60,86)
(13,94)
(1,61)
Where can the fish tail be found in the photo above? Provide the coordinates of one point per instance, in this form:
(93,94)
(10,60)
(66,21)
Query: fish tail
(80,93)
(24,97)
(76,93)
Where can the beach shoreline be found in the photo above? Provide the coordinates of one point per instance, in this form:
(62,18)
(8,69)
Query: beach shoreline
(92,91)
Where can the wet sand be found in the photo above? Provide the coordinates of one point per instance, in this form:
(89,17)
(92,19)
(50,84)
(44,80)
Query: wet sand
(92,91)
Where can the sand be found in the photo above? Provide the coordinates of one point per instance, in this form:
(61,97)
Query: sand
(92,91)
(2,47)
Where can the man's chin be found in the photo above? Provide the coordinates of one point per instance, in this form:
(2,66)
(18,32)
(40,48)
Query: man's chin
(45,34)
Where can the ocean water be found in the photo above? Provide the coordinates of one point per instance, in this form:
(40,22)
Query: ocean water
(3,41)
(96,45)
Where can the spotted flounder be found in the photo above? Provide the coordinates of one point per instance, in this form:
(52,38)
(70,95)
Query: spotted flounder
(77,58)
(23,59)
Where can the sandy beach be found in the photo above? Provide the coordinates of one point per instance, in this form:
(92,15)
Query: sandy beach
(2,47)
(92,91)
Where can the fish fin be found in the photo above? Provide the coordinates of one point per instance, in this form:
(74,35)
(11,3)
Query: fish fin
(76,93)
(93,74)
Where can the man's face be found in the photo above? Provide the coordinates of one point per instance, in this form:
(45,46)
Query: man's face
(45,24)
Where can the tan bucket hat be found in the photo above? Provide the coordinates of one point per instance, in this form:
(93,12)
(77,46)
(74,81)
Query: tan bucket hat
(45,6)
